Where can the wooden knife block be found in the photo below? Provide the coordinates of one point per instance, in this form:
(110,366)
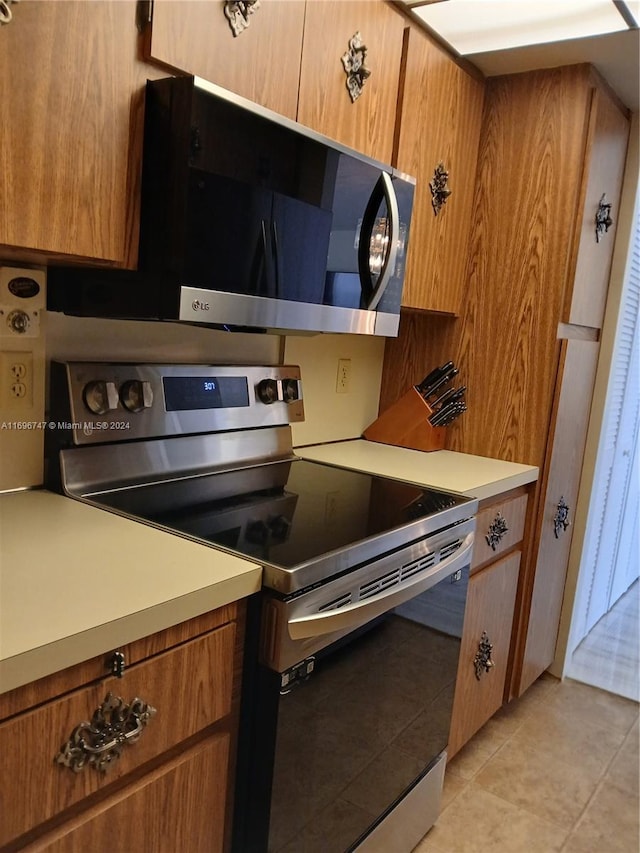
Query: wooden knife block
(405,424)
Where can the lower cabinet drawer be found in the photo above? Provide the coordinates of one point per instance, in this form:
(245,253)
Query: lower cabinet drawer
(498,528)
(177,808)
(188,687)
(485,648)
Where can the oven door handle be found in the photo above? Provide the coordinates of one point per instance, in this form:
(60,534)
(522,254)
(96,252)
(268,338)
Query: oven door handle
(354,615)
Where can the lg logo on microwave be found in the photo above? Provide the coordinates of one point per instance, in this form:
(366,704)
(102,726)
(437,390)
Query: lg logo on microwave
(199,306)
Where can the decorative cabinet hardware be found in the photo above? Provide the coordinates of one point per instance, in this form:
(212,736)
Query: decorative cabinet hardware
(440,191)
(117,664)
(603,218)
(561,518)
(100,742)
(5,11)
(482,661)
(497,529)
(238,13)
(354,65)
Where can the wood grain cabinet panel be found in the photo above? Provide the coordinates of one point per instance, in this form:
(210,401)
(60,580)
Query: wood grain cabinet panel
(179,808)
(604,171)
(324,103)
(190,687)
(509,514)
(578,369)
(71,96)
(490,603)
(529,173)
(261,64)
(441,115)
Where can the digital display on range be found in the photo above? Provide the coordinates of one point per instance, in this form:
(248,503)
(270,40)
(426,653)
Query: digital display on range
(187,393)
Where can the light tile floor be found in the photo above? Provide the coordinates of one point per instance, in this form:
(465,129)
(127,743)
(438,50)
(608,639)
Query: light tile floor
(556,770)
(609,656)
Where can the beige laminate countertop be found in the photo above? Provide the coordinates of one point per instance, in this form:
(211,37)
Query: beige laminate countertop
(475,476)
(77,581)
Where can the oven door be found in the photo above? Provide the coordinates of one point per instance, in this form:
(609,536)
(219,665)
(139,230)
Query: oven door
(348,751)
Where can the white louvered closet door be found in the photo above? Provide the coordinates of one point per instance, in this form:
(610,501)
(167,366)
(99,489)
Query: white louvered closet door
(611,559)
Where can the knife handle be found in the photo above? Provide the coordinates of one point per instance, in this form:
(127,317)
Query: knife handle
(430,378)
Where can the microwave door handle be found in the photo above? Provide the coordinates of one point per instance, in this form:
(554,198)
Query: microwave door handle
(383,189)
(354,615)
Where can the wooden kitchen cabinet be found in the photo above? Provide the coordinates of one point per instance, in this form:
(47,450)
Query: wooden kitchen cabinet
(493,583)
(607,140)
(324,103)
(552,142)
(170,783)
(71,98)
(440,120)
(289,59)
(177,807)
(488,617)
(261,64)
(578,363)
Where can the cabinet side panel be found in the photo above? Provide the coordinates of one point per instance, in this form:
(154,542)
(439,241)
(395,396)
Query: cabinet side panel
(530,166)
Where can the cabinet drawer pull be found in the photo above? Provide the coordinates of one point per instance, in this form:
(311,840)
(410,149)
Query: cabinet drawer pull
(497,529)
(5,11)
(100,742)
(561,518)
(439,187)
(355,67)
(482,661)
(603,217)
(238,13)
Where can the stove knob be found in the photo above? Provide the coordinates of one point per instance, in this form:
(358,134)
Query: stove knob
(267,391)
(100,397)
(290,390)
(136,395)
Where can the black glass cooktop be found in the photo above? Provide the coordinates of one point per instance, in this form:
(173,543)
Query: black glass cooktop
(284,513)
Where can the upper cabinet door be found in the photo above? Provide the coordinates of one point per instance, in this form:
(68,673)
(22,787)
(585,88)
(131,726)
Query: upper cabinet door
(602,186)
(262,63)
(71,95)
(366,124)
(440,126)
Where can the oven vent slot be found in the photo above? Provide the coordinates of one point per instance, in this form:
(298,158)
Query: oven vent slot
(379,584)
(404,573)
(336,603)
(451,548)
(418,565)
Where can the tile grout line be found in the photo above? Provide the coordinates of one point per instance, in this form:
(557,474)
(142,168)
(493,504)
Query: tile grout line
(599,786)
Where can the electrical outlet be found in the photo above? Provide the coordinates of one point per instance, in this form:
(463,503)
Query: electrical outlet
(17,379)
(343,378)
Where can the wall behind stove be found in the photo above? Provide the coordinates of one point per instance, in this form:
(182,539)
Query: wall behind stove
(330,416)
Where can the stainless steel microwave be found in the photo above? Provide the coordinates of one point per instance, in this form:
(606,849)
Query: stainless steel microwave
(252,221)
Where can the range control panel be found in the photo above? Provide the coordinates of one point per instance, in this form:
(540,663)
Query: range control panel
(98,402)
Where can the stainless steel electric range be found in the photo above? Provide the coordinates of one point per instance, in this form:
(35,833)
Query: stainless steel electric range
(353,645)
